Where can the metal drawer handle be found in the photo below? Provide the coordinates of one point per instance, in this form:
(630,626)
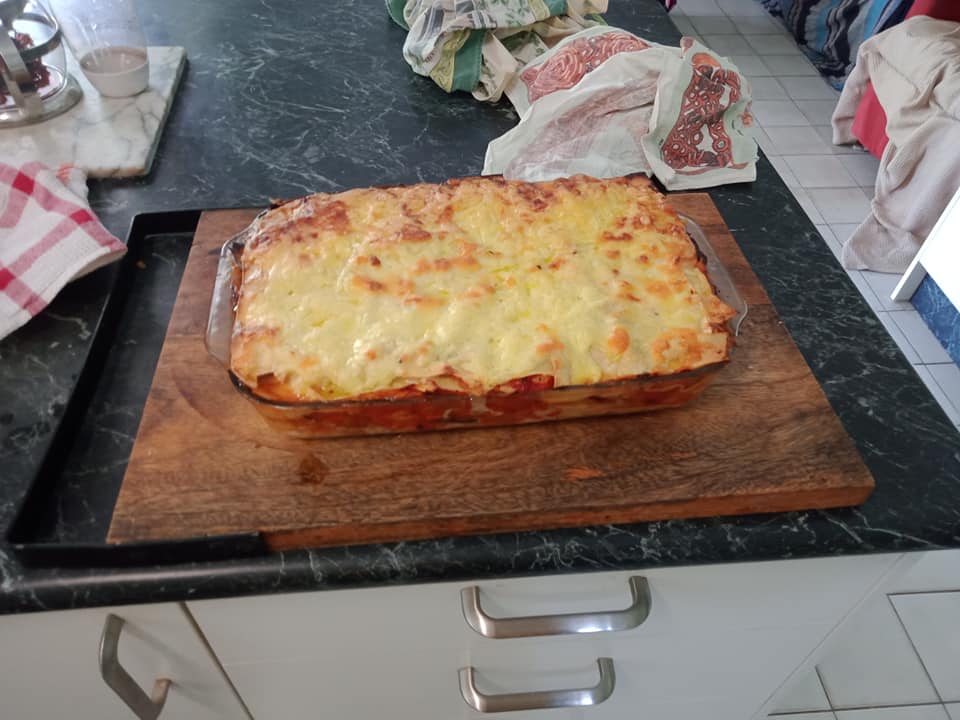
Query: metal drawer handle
(119,680)
(568,624)
(541,699)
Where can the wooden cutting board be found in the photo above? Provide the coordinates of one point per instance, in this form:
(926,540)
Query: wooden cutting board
(762,438)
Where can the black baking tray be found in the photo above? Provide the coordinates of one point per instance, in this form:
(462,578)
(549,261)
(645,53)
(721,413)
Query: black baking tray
(64,517)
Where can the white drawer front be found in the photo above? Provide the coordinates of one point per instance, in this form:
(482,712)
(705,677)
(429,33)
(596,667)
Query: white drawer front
(735,670)
(49,669)
(663,678)
(705,600)
(385,687)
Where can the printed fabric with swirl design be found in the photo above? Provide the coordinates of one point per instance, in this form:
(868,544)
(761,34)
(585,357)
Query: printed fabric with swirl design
(570,64)
(702,108)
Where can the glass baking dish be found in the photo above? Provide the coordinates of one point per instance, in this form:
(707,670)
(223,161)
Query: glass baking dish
(446,411)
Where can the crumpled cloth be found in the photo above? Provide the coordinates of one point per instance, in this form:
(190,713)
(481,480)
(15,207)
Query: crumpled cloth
(606,103)
(914,68)
(478,45)
(48,237)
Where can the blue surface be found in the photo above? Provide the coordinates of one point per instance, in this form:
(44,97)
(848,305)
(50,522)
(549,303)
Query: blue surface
(940,315)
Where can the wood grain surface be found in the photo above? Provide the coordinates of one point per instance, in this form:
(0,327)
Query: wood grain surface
(762,438)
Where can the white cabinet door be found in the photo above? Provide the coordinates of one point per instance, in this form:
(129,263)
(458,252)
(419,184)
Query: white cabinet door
(49,665)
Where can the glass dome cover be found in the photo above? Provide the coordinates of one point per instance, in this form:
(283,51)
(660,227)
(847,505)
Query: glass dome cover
(34,82)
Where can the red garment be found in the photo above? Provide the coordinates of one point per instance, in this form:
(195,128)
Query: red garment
(870,121)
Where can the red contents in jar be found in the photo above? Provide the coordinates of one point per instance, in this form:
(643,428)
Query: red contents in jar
(39,73)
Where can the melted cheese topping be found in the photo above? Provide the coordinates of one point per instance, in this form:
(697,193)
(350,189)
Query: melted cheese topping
(469,285)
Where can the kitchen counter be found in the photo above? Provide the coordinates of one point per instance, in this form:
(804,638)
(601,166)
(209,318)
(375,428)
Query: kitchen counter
(280,100)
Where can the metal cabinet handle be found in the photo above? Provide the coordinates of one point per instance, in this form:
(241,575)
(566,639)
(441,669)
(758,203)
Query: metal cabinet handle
(119,680)
(568,624)
(540,699)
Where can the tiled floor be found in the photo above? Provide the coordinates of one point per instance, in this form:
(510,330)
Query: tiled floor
(793,107)
(899,657)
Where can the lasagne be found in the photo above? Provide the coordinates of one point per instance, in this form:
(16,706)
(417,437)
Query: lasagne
(475,286)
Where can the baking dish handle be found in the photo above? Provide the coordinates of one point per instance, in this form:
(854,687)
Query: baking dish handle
(223,303)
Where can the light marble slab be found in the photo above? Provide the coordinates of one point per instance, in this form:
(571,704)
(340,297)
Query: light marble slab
(105,137)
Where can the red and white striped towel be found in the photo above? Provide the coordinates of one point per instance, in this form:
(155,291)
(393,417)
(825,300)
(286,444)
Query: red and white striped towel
(48,237)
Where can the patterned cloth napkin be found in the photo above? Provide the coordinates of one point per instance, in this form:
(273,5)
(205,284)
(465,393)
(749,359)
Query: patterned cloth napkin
(48,237)
(478,45)
(606,103)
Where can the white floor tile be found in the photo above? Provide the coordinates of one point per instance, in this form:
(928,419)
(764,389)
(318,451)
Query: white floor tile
(843,231)
(809,88)
(933,623)
(773,44)
(750,65)
(825,232)
(819,171)
(804,695)
(870,662)
(807,716)
(948,378)
(883,285)
(818,112)
(934,570)
(826,134)
(863,168)
(897,334)
(831,240)
(789,65)
(692,8)
(841,205)
(934,387)
(713,25)
(742,8)
(922,712)
(798,140)
(871,297)
(954,711)
(727,44)
(923,340)
(806,203)
(784,171)
(757,25)
(763,140)
(771,113)
(682,23)
(767,88)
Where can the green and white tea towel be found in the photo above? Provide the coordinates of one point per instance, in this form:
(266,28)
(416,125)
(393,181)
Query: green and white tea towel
(479,45)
